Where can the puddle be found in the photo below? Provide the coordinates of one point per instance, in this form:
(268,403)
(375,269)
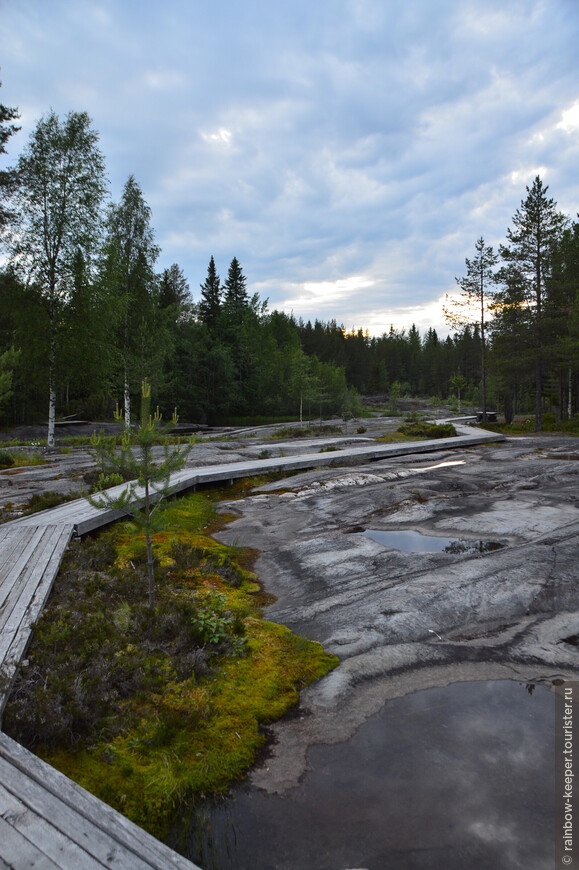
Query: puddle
(442,779)
(410,541)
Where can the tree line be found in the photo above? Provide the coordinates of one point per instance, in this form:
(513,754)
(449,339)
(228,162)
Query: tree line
(86,317)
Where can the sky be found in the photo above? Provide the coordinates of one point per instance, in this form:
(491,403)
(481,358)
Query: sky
(349,153)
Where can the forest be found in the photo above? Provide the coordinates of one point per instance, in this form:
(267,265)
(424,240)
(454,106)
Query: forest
(85,314)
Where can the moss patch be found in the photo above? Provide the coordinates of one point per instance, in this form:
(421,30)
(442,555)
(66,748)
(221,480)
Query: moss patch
(150,710)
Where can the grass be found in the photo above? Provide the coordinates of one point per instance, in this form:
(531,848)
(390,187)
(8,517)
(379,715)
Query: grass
(20,459)
(306,431)
(151,711)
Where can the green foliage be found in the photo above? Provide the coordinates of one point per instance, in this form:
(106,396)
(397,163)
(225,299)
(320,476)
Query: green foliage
(6,459)
(61,185)
(427,430)
(46,500)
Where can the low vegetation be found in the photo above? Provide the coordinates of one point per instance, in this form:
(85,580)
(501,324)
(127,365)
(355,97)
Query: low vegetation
(152,709)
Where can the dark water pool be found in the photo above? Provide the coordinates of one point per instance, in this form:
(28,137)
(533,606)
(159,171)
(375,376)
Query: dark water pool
(444,779)
(410,541)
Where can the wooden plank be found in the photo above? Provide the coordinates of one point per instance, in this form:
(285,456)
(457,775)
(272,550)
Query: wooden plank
(12,549)
(18,851)
(29,840)
(80,830)
(30,566)
(36,583)
(49,575)
(28,601)
(21,555)
(66,793)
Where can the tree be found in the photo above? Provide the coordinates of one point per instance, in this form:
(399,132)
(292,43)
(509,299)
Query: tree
(61,185)
(458,383)
(173,288)
(536,231)
(130,257)
(8,177)
(149,481)
(475,290)
(235,300)
(210,304)
(562,312)
(8,361)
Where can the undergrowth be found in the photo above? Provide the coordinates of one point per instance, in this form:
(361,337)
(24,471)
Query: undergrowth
(149,710)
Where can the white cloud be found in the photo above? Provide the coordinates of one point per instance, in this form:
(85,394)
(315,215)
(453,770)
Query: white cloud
(222,136)
(349,153)
(569,122)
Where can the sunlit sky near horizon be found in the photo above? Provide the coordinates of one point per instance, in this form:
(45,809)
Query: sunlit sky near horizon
(349,153)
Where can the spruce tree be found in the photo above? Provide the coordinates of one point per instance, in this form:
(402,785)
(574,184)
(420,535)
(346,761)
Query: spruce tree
(210,304)
(236,300)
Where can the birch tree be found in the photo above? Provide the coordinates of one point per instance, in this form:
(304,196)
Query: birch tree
(59,196)
(131,254)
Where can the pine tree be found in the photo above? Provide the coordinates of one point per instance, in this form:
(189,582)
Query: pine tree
(536,231)
(476,291)
(149,481)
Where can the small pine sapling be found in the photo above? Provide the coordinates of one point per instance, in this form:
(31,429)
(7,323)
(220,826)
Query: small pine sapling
(149,481)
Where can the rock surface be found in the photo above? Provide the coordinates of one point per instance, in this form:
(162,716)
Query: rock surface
(399,621)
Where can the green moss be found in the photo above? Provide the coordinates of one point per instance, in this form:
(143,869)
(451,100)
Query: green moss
(149,711)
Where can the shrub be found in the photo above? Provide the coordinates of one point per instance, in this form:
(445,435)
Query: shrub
(6,459)
(427,430)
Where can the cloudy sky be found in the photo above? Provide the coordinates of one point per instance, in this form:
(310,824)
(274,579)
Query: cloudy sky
(348,152)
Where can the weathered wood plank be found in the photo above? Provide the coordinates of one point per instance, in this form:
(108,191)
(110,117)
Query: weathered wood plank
(14,550)
(26,601)
(43,788)
(32,841)
(30,567)
(18,851)
(23,548)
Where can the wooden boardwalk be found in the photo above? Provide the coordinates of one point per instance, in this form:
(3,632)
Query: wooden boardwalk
(46,820)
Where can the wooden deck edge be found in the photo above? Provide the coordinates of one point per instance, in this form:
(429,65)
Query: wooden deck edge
(91,812)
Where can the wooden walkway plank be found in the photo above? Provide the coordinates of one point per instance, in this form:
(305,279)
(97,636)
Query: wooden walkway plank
(26,574)
(19,852)
(26,599)
(15,553)
(91,824)
(33,841)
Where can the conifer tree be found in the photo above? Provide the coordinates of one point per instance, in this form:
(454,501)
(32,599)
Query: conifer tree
(149,482)
(476,292)
(532,240)
(210,304)
(236,300)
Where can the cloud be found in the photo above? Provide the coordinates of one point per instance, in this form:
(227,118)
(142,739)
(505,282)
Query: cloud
(322,144)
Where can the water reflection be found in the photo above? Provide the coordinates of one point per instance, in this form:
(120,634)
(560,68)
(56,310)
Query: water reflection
(410,541)
(458,777)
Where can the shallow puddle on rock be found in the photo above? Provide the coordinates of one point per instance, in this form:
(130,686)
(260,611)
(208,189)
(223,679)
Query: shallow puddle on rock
(410,541)
(443,779)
